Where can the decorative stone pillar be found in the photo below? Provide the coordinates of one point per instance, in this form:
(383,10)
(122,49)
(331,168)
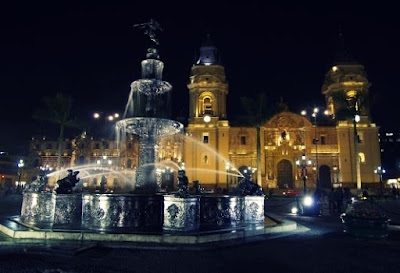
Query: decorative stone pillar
(181,213)
(254,209)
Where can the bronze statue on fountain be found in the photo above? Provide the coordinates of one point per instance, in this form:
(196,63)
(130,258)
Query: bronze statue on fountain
(183,184)
(66,184)
(248,187)
(40,184)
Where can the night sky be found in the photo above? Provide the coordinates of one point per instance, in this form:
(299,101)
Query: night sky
(92,53)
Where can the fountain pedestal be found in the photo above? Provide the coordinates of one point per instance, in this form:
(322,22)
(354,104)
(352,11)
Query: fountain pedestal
(181,213)
(254,209)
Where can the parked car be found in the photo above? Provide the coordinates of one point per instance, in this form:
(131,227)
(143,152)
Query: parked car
(291,192)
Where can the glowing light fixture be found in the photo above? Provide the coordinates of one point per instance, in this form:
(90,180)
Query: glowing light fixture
(207,118)
(308,201)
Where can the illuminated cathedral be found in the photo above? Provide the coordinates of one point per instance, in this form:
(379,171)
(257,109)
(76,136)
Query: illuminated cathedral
(289,150)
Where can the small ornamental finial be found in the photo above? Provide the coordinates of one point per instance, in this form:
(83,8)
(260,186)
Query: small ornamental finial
(150,29)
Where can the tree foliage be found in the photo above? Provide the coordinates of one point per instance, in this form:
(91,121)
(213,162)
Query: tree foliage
(56,110)
(256,110)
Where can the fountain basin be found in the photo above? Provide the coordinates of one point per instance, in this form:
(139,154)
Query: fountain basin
(221,211)
(181,213)
(121,212)
(68,211)
(38,209)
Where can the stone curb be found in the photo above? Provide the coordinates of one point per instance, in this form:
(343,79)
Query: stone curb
(251,233)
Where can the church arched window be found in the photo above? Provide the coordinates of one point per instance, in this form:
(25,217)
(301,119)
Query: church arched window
(207,106)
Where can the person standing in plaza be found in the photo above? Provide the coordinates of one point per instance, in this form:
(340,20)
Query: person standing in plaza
(331,201)
(339,199)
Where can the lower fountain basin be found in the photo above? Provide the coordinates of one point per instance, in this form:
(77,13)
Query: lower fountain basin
(140,212)
(68,211)
(121,212)
(38,209)
(221,211)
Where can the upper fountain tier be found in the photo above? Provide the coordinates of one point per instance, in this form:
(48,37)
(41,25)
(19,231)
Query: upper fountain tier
(149,127)
(148,115)
(150,96)
(151,81)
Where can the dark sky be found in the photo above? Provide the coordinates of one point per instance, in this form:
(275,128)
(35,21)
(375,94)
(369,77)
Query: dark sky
(92,53)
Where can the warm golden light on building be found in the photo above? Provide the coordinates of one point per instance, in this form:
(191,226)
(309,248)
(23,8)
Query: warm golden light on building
(211,147)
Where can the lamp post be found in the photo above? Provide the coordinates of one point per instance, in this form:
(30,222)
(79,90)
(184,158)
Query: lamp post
(104,161)
(108,119)
(314,115)
(166,178)
(353,102)
(303,163)
(20,166)
(380,171)
(357,159)
(316,139)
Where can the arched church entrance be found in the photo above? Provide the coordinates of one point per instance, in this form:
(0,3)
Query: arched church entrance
(285,174)
(325,177)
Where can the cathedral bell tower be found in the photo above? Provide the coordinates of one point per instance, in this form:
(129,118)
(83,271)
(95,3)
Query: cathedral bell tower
(346,91)
(346,87)
(207,87)
(208,127)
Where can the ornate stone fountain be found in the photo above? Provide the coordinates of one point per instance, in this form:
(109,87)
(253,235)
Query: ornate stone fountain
(143,209)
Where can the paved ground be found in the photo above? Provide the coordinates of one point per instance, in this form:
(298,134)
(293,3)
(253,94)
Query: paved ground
(322,247)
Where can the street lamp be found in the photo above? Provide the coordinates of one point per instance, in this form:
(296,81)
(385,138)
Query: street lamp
(165,178)
(380,171)
(303,163)
(316,138)
(110,117)
(353,102)
(20,166)
(104,161)
(107,118)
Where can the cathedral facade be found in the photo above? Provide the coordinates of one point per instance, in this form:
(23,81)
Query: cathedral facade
(289,150)
(342,152)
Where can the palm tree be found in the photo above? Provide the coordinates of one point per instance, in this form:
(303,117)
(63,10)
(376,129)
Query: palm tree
(57,110)
(257,112)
